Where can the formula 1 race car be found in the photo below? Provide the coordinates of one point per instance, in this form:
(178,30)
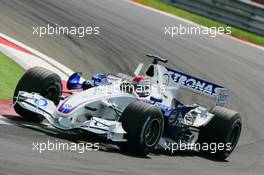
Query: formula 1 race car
(153,109)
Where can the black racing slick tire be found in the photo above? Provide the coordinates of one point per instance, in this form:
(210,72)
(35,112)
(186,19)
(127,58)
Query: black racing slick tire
(144,125)
(42,81)
(223,131)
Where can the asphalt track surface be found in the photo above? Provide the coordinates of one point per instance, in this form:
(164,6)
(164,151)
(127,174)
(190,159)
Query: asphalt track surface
(127,33)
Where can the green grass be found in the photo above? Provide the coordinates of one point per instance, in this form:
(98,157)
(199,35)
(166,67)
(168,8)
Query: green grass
(159,4)
(10,73)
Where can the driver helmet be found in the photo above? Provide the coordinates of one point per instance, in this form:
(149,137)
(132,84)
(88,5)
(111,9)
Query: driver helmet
(141,85)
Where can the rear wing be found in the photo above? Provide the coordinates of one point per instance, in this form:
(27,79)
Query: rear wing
(219,93)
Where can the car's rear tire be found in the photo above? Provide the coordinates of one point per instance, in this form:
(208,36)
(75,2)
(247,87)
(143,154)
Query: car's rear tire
(42,81)
(144,125)
(224,128)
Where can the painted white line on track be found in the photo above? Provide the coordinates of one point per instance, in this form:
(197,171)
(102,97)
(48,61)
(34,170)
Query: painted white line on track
(27,60)
(41,55)
(191,22)
(5,121)
(20,123)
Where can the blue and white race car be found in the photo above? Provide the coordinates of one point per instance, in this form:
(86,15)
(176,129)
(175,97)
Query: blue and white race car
(156,108)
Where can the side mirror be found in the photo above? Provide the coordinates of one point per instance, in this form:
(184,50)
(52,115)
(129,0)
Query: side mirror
(74,81)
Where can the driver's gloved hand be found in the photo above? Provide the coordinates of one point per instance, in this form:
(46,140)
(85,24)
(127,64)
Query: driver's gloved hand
(87,85)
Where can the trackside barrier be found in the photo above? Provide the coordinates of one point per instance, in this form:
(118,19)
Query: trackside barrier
(231,12)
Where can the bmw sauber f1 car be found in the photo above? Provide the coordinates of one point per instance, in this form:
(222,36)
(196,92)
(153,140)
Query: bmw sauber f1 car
(152,109)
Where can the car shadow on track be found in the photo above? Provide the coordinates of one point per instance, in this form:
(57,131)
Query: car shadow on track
(80,136)
(187,154)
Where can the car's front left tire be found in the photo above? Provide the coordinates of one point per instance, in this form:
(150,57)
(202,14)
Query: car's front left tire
(42,81)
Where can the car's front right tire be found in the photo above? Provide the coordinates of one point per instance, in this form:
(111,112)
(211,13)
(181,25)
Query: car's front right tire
(144,125)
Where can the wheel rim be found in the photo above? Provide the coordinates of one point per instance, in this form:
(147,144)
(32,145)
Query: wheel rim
(152,132)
